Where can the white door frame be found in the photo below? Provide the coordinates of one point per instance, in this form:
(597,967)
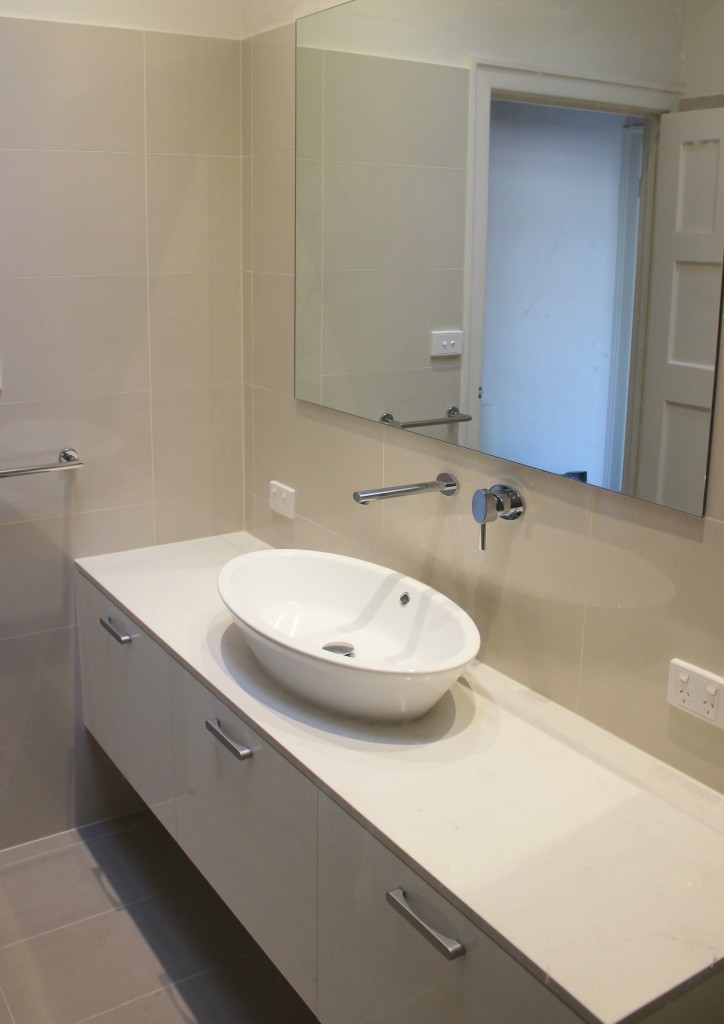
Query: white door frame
(539,84)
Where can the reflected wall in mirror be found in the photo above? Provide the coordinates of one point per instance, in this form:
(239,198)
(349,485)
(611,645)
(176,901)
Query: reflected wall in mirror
(516,211)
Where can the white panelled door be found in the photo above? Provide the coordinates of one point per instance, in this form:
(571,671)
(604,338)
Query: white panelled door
(686,281)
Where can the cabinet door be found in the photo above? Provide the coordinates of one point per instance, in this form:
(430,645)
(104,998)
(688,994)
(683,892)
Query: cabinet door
(249,823)
(127,698)
(375,966)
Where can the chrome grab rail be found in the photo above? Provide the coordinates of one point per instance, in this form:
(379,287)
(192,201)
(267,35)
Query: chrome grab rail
(67,459)
(452,415)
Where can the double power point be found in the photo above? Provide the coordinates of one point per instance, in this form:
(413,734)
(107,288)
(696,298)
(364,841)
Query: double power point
(281,498)
(697,691)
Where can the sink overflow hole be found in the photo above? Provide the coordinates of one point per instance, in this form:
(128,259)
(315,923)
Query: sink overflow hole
(405,599)
(340,647)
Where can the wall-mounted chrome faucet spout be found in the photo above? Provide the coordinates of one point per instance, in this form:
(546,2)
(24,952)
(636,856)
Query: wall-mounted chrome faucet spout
(499,502)
(445,483)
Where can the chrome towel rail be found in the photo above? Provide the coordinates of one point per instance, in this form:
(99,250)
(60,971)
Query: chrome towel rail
(452,415)
(67,459)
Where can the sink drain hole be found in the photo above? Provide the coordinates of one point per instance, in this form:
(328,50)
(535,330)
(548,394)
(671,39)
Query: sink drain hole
(340,647)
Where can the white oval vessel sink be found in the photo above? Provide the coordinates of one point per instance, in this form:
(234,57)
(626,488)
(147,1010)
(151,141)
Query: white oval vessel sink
(351,636)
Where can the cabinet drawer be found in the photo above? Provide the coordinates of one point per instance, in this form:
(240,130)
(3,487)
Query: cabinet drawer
(126,698)
(374,965)
(250,826)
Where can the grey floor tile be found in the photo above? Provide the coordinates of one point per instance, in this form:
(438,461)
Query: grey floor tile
(5,1017)
(72,973)
(247,991)
(56,887)
(37,847)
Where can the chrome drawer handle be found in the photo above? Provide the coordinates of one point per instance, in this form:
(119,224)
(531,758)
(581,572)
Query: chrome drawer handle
(240,753)
(121,638)
(451,949)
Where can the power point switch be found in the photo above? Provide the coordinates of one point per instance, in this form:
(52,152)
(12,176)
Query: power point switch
(696,691)
(446,344)
(281,498)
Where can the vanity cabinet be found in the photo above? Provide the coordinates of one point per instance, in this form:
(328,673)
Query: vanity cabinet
(248,820)
(376,965)
(127,698)
(315,886)
(245,816)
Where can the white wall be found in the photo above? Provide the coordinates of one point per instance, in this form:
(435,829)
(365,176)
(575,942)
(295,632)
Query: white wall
(637,40)
(703,45)
(260,15)
(220,18)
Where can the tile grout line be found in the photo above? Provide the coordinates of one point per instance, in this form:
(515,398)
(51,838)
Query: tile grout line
(586,595)
(154,516)
(164,988)
(121,908)
(7,1007)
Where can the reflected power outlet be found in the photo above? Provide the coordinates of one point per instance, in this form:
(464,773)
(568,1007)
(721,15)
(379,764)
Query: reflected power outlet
(281,498)
(697,691)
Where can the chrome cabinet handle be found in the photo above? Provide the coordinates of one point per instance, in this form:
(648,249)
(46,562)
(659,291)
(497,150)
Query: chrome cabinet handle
(215,728)
(451,949)
(121,638)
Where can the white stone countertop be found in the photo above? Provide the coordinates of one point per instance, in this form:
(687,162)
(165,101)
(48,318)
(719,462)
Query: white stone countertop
(601,866)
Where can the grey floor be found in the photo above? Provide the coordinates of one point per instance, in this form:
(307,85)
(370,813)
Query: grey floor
(112,923)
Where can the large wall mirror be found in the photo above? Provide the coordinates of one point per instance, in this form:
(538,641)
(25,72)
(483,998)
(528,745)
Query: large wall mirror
(510,229)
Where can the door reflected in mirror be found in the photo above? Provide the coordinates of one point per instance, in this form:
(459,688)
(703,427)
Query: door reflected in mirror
(484,226)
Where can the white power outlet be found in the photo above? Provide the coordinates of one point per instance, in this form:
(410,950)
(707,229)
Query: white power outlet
(281,498)
(697,691)
(446,344)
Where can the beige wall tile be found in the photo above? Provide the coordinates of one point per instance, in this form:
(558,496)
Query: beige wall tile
(656,590)
(247,208)
(308,330)
(310,215)
(538,660)
(71,213)
(193,95)
(74,319)
(73,336)
(532,572)
(37,556)
(200,515)
(408,394)
(249,427)
(247,279)
(273,92)
(324,456)
(38,694)
(247,134)
(197,441)
(273,199)
(393,216)
(273,345)
(310,104)
(70,87)
(195,329)
(383,318)
(38,798)
(194,214)
(112,434)
(378,110)
(303,533)
(632,704)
